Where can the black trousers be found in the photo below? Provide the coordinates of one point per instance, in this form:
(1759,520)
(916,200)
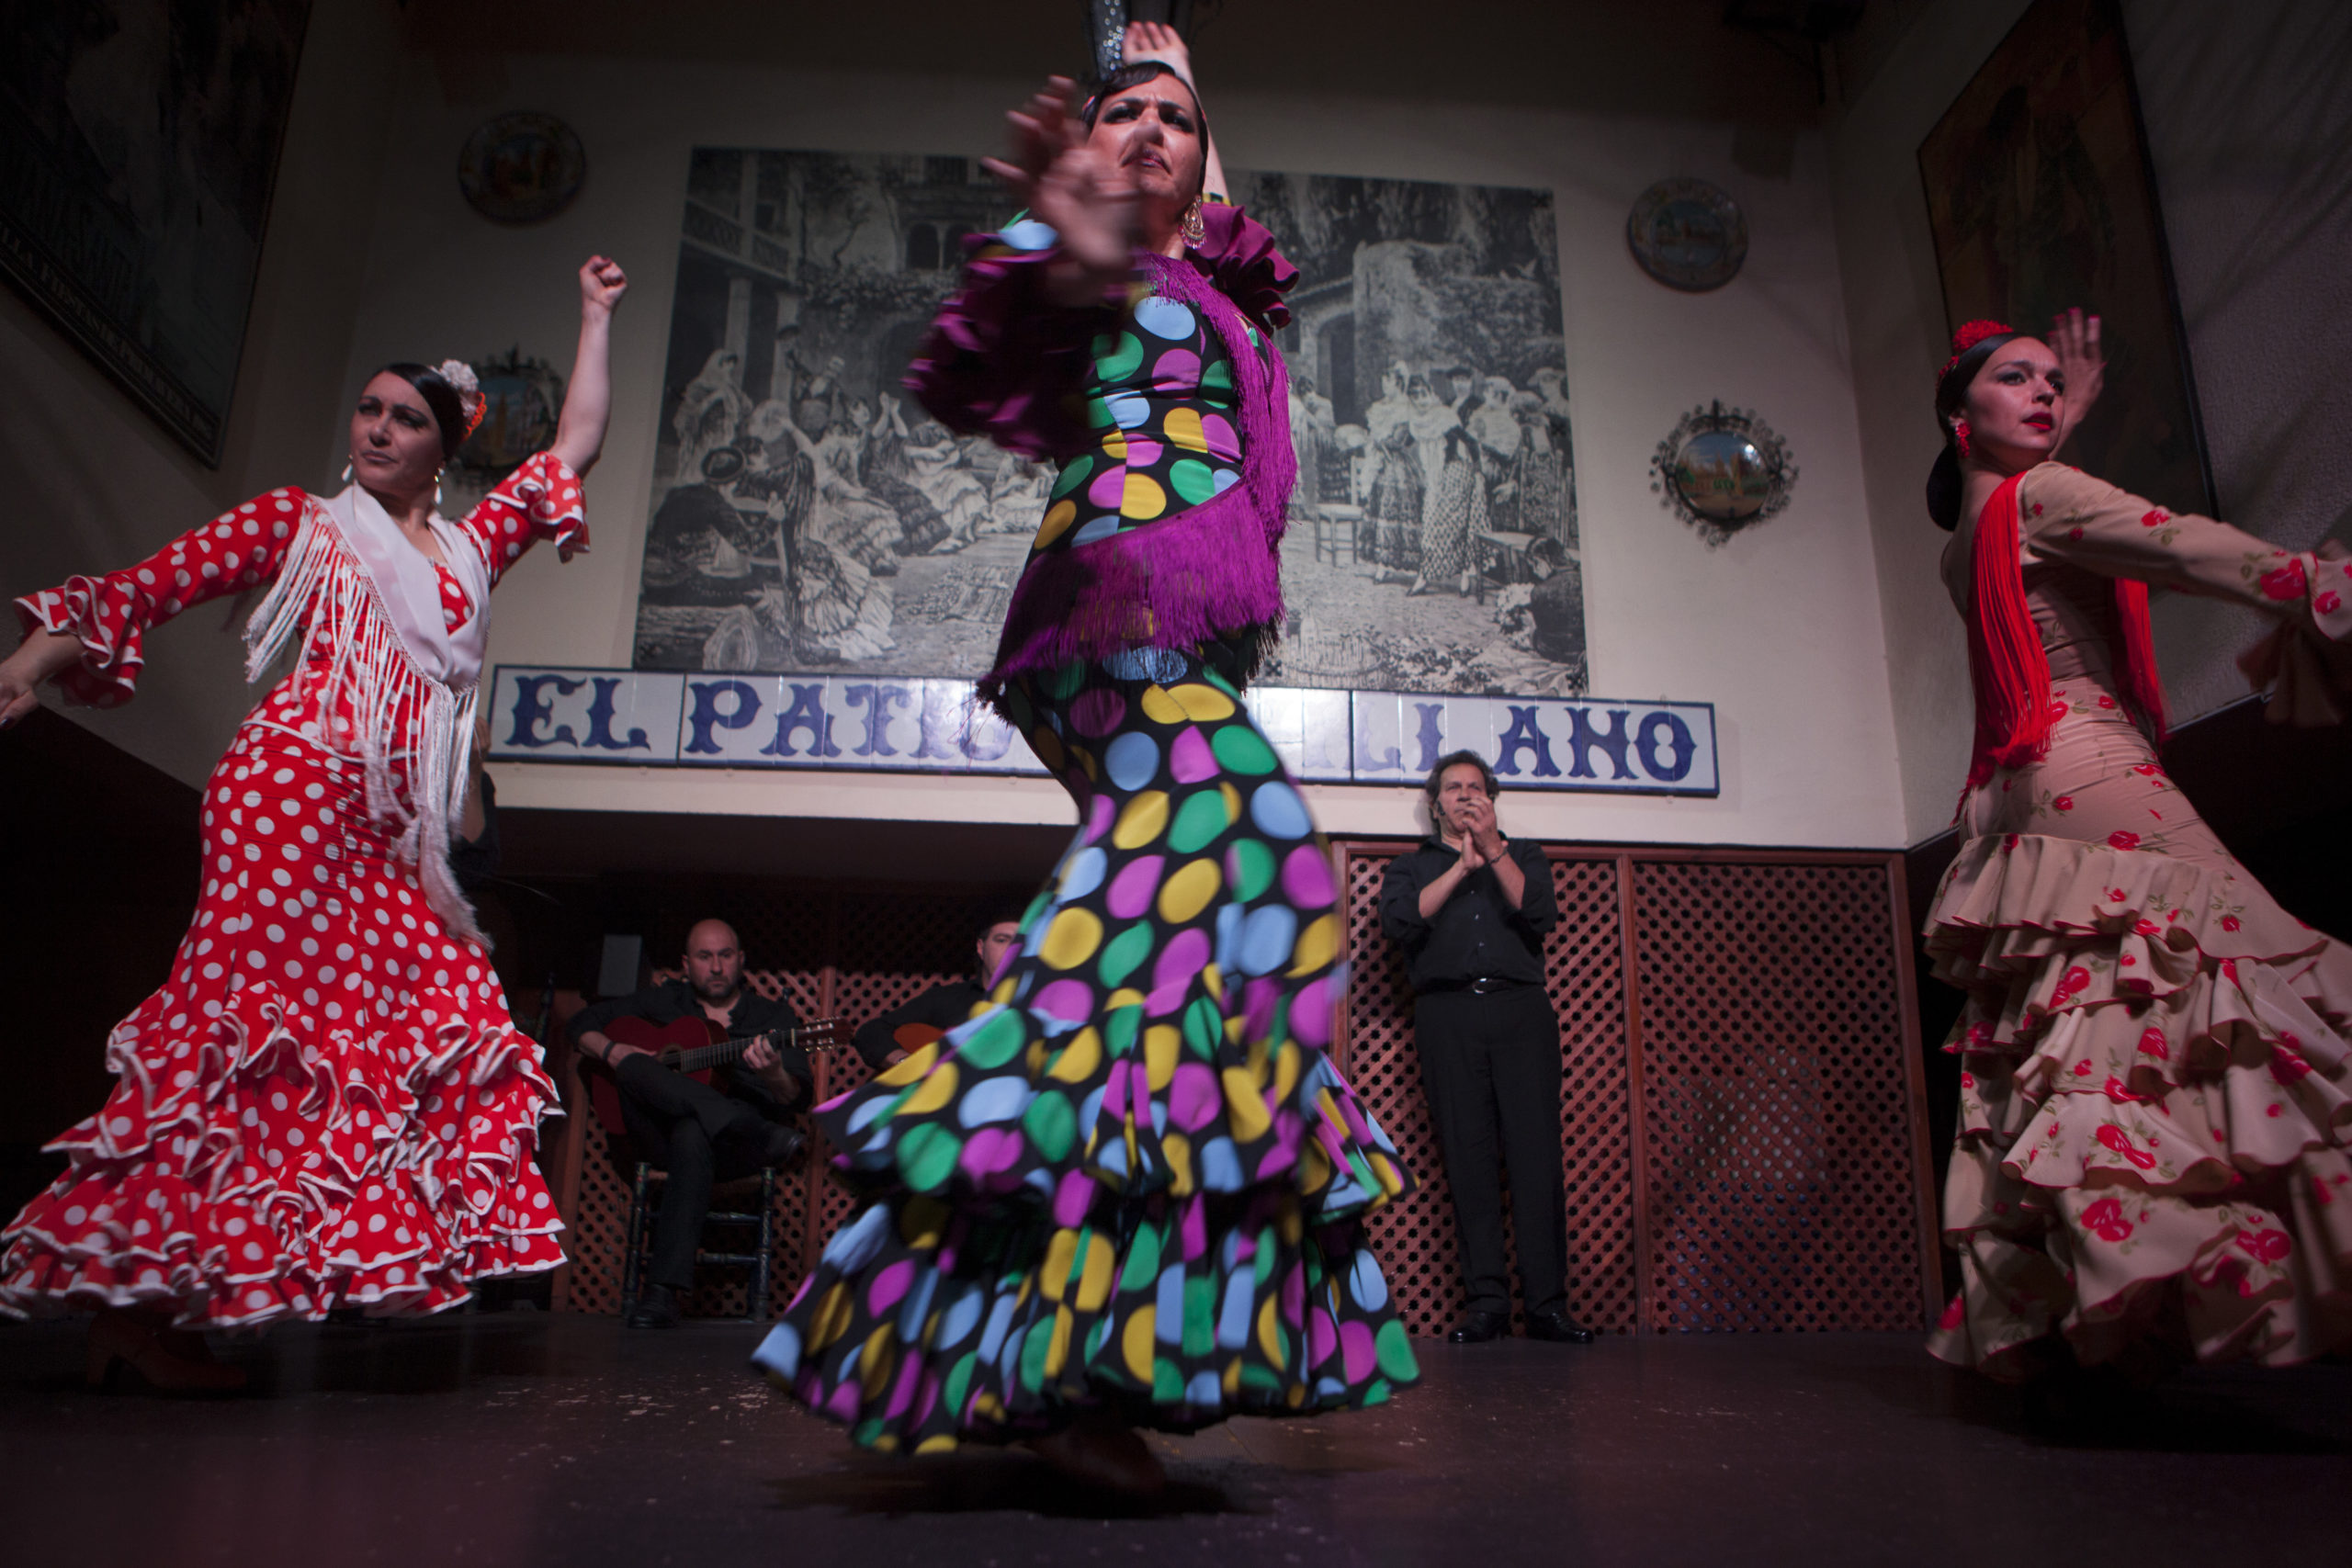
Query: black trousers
(700,1138)
(1490,1067)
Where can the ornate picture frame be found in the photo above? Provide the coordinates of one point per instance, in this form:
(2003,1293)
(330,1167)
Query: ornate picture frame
(1722,472)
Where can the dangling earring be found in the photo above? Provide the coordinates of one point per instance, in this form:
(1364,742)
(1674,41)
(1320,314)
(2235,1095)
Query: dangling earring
(437,486)
(346,470)
(1960,435)
(1195,230)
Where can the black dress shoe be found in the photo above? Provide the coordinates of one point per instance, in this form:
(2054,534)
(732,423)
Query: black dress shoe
(780,1143)
(1558,1327)
(1476,1327)
(657,1308)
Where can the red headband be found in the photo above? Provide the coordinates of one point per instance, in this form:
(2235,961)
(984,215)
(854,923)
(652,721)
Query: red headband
(1971,333)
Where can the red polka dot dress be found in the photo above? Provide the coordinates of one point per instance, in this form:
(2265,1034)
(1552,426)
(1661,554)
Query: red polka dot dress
(327,1103)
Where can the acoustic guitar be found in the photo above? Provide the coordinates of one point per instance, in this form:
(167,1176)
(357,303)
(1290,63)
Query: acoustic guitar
(693,1045)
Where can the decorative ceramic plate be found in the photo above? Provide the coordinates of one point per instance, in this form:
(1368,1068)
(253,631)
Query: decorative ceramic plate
(1687,235)
(522,168)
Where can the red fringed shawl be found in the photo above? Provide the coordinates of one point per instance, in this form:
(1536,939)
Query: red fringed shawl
(2006,662)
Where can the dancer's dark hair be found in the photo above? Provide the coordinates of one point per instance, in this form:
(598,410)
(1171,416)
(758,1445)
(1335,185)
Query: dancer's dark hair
(1972,346)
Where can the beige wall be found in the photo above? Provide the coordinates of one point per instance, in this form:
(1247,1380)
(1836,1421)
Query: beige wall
(93,484)
(2249,117)
(1780,630)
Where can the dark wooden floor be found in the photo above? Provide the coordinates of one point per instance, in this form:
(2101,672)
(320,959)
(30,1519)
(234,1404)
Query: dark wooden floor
(524,1440)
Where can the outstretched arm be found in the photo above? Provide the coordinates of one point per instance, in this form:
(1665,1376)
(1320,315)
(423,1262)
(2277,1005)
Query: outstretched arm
(1158,40)
(588,402)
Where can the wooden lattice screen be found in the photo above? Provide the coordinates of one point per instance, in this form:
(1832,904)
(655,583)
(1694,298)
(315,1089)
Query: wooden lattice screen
(1755,1007)
(1741,1118)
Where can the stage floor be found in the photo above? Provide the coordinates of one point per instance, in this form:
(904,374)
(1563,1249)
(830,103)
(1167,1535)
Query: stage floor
(521,1438)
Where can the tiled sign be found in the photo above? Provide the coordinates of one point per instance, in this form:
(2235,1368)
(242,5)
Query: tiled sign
(710,719)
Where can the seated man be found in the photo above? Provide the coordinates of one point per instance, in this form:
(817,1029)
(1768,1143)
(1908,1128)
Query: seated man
(697,1133)
(889,1038)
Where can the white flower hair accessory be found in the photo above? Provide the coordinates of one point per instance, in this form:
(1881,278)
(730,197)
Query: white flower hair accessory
(461,380)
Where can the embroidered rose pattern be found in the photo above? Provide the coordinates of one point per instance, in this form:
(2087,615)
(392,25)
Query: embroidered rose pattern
(2287,1064)
(2115,1138)
(2286,582)
(2105,1220)
(2269,1246)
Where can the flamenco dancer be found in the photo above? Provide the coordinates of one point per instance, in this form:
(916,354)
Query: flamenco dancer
(1130,1193)
(2152,1156)
(326,1105)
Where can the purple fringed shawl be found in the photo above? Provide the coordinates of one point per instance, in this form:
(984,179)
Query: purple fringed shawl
(1002,362)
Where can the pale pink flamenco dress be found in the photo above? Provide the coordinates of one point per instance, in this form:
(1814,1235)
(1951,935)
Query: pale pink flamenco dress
(2154,1124)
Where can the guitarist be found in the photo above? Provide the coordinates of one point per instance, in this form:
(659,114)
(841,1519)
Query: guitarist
(698,1132)
(888,1039)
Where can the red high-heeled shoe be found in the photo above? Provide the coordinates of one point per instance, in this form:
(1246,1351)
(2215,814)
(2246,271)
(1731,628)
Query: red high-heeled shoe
(122,1338)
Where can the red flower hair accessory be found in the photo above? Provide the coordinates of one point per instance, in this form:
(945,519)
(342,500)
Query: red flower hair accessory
(1971,333)
(461,380)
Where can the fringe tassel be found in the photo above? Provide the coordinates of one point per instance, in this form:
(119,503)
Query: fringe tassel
(325,600)
(2006,662)
(2135,658)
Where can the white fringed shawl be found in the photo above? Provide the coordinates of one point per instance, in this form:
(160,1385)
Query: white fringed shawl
(366,603)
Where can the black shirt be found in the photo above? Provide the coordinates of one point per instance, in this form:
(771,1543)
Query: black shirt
(753,1014)
(942,1008)
(1476,935)
(474,862)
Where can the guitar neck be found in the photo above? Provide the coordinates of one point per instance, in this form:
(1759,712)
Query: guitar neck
(725,1052)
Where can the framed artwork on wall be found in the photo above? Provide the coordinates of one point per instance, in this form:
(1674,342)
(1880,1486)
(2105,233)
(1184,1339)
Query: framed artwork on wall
(139,146)
(805,514)
(2040,198)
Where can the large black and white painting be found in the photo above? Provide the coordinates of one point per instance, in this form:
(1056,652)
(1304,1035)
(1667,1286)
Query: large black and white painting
(806,517)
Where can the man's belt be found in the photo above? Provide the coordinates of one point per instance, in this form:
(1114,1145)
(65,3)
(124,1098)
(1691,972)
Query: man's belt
(1480,986)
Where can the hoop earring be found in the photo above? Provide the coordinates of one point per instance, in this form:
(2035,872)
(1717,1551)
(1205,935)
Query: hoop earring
(1195,230)
(1960,435)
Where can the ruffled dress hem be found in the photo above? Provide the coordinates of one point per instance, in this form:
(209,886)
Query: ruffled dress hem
(2154,1116)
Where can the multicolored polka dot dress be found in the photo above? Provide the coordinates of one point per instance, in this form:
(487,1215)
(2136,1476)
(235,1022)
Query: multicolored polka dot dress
(1136,1181)
(327,1104)
(1163,405)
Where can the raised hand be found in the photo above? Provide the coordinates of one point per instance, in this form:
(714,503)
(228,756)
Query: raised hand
(602,284)
(2074,338)
(1086,200)
(1157,40)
